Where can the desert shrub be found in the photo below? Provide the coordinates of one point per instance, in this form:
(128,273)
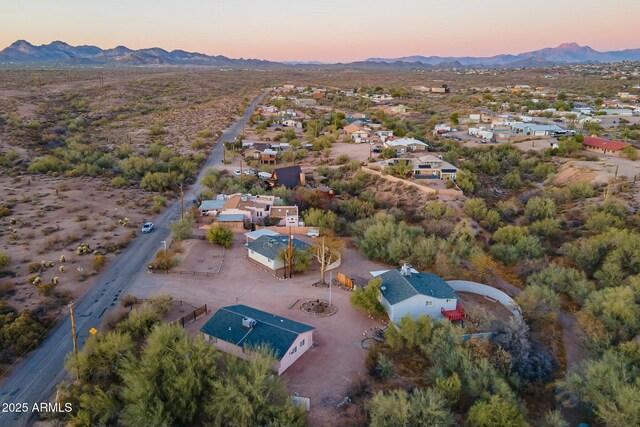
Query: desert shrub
(4,211)
(581,190)
(342,159)
(119,182)
(165,260)
(34,267)
(220,235)
(436,209)
(98,262)
(540,208)
(4,260)
(183,228)
(476,208)
(159,202)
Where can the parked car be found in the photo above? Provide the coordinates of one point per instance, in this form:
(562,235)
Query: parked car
(376,150)
(313,232)
(249,172)
(147,227)
(264,175)
(237,172)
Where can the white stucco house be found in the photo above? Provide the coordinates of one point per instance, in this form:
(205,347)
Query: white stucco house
(405,292)
(406,145)
(266,250)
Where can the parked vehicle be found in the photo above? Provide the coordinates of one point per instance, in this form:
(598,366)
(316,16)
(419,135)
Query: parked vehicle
(313,232)
(249,172)
(237,172)
(264,175)
(147,227)
(376,150)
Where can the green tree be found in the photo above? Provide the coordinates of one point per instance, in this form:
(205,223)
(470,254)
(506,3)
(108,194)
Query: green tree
(630,152)
(220,235)
(166,386)
(300,259)
(321,218)
(183,228)
(494,412)
(389,409)
(367,298)
(249,394)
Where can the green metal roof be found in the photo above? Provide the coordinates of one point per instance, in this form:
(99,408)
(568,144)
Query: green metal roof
(277,332)
(272,246)
(396,287)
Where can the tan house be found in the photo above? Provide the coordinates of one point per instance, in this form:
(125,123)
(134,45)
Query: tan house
(237,329)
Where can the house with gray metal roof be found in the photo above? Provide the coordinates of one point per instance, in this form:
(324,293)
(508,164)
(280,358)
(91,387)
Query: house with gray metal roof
(237,329)
(404,292)
(266,250)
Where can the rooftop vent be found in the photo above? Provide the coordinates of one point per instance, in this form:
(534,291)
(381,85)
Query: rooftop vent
(406,269)
(248,322)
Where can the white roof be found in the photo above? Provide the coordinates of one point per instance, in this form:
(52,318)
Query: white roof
(379,272)
(253,235)
(405,142)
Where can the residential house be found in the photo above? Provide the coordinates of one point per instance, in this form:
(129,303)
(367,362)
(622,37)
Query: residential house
(264,155)
(350,128)
(405,292)
(294,123)
(426,167)
(253,208)
(406,145)
(618,111)
(232,221)
(211,207)
(384,134)
(288,215)
(238,329)
(603,146)
(253,235)
(359,136)
(288,177)
(533,129)
(266,251)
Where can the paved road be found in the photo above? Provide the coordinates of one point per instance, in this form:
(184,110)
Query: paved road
(35,380)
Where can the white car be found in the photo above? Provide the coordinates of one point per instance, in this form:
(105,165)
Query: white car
(237,172)
(147,227)
(249,172)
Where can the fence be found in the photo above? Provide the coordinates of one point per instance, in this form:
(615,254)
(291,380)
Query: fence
(184,272)
(487,291)
(345,281)
(191,317)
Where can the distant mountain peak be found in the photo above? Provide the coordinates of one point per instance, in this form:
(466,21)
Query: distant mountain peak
(570,45)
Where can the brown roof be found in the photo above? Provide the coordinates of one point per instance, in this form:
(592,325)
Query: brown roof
(604,144)
(351,128)
(282,211)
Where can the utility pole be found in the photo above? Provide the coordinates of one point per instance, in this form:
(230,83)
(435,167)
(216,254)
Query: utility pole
(290,250)
(181,203)
(73,335)
(240,166)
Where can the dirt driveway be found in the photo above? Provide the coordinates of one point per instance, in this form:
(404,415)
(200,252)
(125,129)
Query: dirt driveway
(324,372)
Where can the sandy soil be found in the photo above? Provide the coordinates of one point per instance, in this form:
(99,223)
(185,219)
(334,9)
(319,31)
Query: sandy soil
(52,217)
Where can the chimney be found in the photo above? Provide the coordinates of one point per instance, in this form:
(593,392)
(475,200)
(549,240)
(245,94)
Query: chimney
(406,270)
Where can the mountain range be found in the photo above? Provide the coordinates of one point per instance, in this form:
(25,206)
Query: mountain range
(566,53)
(59,53)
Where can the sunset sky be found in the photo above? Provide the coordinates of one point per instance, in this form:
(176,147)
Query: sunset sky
(327,30)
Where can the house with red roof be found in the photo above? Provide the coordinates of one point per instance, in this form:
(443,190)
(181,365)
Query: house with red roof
(603,146)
